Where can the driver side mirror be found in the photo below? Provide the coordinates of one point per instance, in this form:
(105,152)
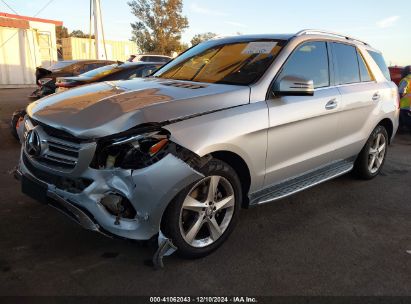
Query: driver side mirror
(293,86)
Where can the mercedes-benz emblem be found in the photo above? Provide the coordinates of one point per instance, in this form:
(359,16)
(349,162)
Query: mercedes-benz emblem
(32,144)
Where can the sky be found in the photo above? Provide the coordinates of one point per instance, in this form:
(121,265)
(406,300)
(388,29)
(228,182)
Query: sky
(386,25)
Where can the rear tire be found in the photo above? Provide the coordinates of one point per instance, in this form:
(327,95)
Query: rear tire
(202,216)
(372,157)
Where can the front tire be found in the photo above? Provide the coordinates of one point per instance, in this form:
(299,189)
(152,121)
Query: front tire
(372,157)
(203,215)
(16,119)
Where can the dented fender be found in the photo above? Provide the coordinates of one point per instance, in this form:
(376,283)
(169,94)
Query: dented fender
(157,185)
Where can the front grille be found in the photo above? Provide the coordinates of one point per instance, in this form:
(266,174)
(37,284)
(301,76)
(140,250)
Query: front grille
(60,149)
(60,153)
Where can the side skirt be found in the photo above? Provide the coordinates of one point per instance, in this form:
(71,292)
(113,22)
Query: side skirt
(301,182)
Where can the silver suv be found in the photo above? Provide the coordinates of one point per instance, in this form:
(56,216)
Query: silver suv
(233,122)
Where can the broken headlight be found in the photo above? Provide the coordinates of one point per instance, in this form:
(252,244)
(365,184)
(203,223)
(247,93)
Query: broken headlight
(131,151)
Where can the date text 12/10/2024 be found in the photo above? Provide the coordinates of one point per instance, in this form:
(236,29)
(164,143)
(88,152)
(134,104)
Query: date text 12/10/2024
(235,299)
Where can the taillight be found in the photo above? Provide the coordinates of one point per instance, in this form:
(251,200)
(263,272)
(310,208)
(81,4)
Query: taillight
(65,83)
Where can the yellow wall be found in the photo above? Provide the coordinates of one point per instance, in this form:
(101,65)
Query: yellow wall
(79,48)
(23,51)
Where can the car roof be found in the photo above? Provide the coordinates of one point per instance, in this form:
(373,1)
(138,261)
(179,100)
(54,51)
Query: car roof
(152,55)
(304,33)
(93,60)
(241,38)
(137,63)
(74,61)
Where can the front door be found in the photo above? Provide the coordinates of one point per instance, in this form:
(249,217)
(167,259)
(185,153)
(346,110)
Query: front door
(302,129)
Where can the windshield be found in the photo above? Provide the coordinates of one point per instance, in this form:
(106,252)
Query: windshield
(239,63)
(100,72)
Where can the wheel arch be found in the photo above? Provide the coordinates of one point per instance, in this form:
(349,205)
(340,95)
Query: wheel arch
(389,126)
(240,167)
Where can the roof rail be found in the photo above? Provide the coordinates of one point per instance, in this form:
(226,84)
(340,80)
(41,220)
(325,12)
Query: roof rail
(322,32)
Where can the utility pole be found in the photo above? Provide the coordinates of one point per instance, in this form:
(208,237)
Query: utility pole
(98,31)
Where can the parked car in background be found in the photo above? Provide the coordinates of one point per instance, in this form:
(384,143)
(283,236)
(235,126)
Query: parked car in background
(116,71)
(233,122)
(112,72)
(46,77)
(396,72)
(151,58)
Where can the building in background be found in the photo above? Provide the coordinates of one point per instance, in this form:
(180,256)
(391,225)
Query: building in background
(25,43)
(83,48)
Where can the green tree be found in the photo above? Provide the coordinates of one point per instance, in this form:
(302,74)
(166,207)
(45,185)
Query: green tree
(61,32)
(184,46)
(159,26)
(80,34)
(202,37)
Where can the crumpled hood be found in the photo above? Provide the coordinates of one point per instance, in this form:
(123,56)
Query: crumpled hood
(107,108)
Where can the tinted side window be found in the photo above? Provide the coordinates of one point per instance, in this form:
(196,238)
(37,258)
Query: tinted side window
(309,61)
(157,59)
(136,72)
(145,58)
(365,74)
(381,63)
(80,68)
(347,63)
(91,66)
(154,59)
(73,68)
(120,75)
(147,71)
(99,65)
(131,73)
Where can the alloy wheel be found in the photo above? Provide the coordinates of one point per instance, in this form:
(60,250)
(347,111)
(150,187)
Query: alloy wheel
(207,211)
(377,153)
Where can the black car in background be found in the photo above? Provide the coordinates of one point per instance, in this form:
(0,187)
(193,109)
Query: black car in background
(112,72)
(46,77)
(116,71)
(150,58)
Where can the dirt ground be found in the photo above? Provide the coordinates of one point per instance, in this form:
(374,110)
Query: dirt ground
(344,237)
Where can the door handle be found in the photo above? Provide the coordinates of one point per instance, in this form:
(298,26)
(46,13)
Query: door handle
(376,97)
(332,104)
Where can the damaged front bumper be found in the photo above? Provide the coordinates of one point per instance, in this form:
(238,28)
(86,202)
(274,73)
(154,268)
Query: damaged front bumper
(149,190)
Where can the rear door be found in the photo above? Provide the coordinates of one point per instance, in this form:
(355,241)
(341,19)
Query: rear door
(302,129)
(360,95)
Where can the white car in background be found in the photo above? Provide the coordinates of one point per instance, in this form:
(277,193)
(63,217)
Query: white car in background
(151,58)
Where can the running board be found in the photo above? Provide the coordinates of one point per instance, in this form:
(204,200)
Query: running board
(300,183)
